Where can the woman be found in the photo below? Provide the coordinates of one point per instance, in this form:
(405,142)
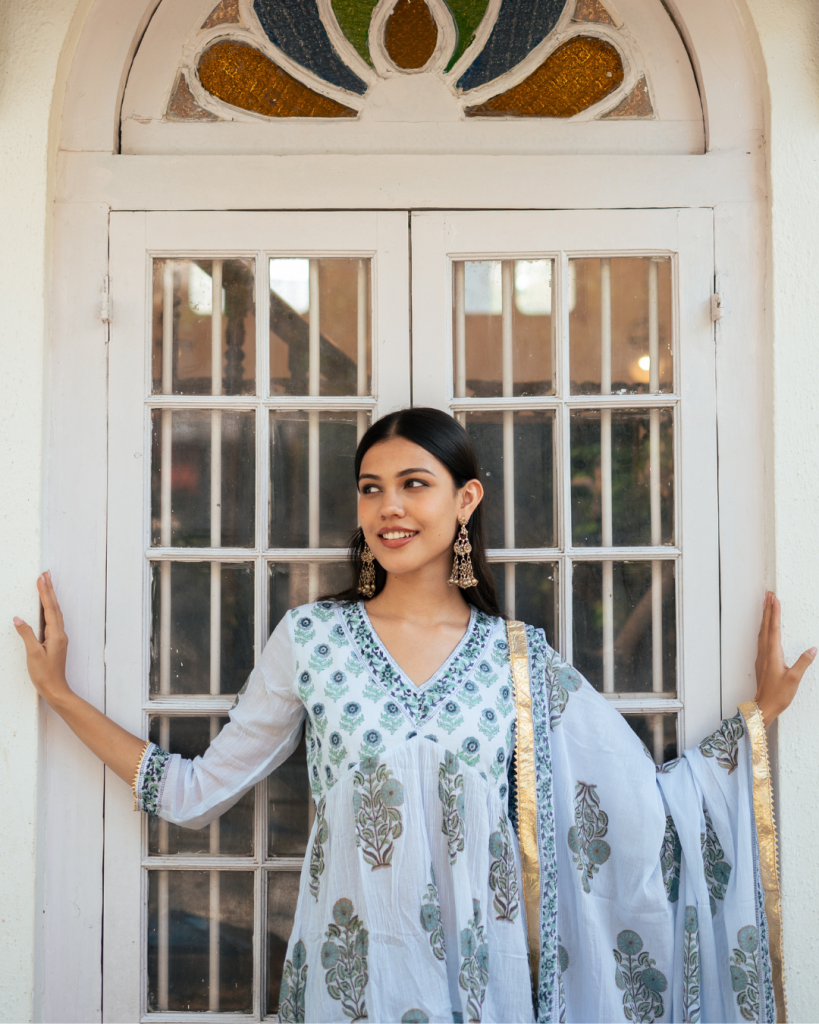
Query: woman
(641,895)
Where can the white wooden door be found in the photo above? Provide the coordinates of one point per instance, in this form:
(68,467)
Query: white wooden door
(231,497)
(578,350)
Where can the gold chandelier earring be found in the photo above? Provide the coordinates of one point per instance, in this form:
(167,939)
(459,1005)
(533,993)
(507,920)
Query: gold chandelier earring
(366,579)
(462,574)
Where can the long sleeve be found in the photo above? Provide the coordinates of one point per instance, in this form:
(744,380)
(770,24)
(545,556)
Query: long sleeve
(263,731)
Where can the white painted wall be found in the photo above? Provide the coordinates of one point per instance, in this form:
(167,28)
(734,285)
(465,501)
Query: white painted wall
(788,35)
(32,37)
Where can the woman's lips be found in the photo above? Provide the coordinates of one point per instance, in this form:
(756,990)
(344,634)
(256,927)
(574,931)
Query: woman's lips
(401,540)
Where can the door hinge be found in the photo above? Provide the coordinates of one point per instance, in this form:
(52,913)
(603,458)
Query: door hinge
(105,301)
(717,307)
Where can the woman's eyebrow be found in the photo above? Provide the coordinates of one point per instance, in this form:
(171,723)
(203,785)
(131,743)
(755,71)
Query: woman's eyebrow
(420,469)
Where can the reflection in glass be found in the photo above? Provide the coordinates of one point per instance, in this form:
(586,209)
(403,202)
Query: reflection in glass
(658,733)
(183,294)
(623,305)
(288,793)
(190,622)
(320,326)
(633,626)
(232,833)
(187,436)
(630,477)
(535,594)
(520,498)
(282,894)
(313,495)
(503,350)
(296,583)
(180,919)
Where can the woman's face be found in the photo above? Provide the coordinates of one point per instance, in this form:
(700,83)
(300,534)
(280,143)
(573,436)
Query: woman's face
(408,506)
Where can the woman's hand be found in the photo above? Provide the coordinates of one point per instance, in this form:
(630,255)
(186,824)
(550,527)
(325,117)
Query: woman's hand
(46,661)
(776,684)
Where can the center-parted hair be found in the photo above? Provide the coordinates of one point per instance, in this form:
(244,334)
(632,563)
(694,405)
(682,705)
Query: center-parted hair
(445,439)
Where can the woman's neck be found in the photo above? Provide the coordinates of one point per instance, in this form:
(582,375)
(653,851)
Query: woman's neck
(422,597)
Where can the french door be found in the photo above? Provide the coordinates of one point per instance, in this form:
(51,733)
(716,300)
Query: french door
(248,354)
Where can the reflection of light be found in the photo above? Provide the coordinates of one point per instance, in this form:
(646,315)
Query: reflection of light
(482,286)
(644,362)
(200,291)
(533,287)
(290,280)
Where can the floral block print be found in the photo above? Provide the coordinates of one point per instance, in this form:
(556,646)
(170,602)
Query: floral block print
(450,718)
(322,658)
(724,743)
(414,1017)
(638,979)
(500,655)
(589,849)
(344,958)
(304,631)
(391,717)
(670,857)
(355,667)
(378,823)
(337,686)
(323,610)
(744,972)
(306,686)
(337,749)
(691,967)
(503,876)
(319,717)
(504,702)
(474,973)
(470,751)
(498,764)
(352,716)
(431,919)
(338,636)
(150,783)
(717,869)
(294,984)
(563,965)
(372,745)
(451,793)
(470,694)
(317,852)
(488,723)
(561,682)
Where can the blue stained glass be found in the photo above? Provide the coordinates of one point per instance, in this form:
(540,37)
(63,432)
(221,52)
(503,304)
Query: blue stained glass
(296,28)
(520,26)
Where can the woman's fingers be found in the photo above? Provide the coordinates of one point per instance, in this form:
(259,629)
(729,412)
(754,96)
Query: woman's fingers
(762,640)
(28,636)
(51,606)
(798,669)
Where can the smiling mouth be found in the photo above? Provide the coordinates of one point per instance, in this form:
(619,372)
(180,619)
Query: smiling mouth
(397,534)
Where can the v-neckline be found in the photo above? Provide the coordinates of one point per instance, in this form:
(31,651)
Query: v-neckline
(420,703)
(404,676)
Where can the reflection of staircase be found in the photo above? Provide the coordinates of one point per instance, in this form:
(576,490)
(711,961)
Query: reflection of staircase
(338,371)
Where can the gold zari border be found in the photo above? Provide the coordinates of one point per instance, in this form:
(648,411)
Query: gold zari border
(525,780)
(768,857)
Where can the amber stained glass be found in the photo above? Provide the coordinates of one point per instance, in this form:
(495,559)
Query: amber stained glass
(636,104)
(240,75)
(580,73)
(410,34)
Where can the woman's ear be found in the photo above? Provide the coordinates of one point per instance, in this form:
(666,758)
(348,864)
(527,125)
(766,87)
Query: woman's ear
(471,497)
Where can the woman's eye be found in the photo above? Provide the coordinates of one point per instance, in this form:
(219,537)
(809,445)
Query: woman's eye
(416,483)
(369,489)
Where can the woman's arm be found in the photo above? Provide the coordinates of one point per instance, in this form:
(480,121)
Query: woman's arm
(776,684)
(117,748)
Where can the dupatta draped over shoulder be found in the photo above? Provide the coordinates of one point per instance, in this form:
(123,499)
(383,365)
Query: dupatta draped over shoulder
(655,888)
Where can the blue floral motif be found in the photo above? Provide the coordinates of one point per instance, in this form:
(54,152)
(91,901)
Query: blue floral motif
(317,850)
(344,958)
(391,717)
(319,717)
(469,694)
(352,716)
(418,703)
(372,744)
(305,685)
(338,636)
(451,794)
(724,743)
(470,751)
(323,610)
(505,703)
(499,654)
(484,672)
(638,979)
(431,920)
(337,686)
(414,1016)
(474,973)
(745,972)
(488,723)
(450,718)
(353,664)
(691,967)
(589,848)
(503,875)
(670,858)
(294,986)
(304,630)
(716,867)
(337,749)
(321,658)
(151,779)
(499,764)
(378,823)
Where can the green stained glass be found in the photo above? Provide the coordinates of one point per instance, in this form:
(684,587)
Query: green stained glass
(467,15)
(354,18)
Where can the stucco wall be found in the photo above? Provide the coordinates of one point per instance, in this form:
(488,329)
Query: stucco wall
(788,34)
(32,37)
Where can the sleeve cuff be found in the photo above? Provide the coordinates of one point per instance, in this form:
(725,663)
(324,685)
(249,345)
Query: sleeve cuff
(150,779)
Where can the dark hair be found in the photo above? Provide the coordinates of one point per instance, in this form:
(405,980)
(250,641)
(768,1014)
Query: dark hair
(445,439)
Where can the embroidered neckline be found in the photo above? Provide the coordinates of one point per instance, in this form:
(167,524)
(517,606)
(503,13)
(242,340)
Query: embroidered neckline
(418,702)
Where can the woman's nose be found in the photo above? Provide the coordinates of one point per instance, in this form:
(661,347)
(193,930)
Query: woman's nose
(391,505)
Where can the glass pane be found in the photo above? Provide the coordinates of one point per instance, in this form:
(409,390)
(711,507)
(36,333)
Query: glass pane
(635,588)
(630,434)
(282,893)
(192,588)
(534,586)
(333,294)
(231,835)
(187,910)
(640,290)
(531,492)
(658,733)
(295,583)
(324,514)
(199,514)
(183,299)
(479,368)
(288,796)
